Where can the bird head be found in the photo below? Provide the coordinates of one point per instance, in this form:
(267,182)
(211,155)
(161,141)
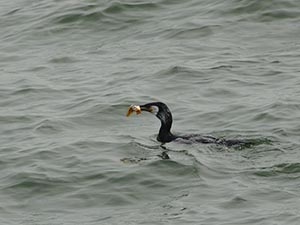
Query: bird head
(159,109)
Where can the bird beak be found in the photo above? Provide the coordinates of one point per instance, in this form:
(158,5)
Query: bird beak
(133,108)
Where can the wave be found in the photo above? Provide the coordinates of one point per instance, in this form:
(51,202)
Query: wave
(278,169)
(263,10)
(196,31)
(120,7)
(204,19)
(112,13)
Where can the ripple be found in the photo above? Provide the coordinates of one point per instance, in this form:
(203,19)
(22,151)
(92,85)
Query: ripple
(178,72)
(16,119)
(75,17)
(191,33)
(29,184)
(120,7)
(33,90)
(265,11)
(63,60)
(283,168)
(280,14)
(112,13)
(52,126)
(235,202)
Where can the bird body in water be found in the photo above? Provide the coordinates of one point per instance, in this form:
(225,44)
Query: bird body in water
(163,113)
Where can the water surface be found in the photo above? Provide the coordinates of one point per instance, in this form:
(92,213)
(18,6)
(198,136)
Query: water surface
(70,69)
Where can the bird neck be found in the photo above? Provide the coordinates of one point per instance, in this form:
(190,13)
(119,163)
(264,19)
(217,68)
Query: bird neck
(165,134)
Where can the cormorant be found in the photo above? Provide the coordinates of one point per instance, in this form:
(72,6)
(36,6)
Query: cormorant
(162,112)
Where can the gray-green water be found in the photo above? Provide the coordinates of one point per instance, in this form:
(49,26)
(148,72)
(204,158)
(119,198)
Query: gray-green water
(68,72)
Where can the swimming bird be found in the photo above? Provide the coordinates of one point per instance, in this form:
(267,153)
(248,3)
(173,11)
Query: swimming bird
(163,113)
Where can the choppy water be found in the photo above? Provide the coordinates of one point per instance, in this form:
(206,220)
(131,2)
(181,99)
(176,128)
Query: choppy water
(69,70)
